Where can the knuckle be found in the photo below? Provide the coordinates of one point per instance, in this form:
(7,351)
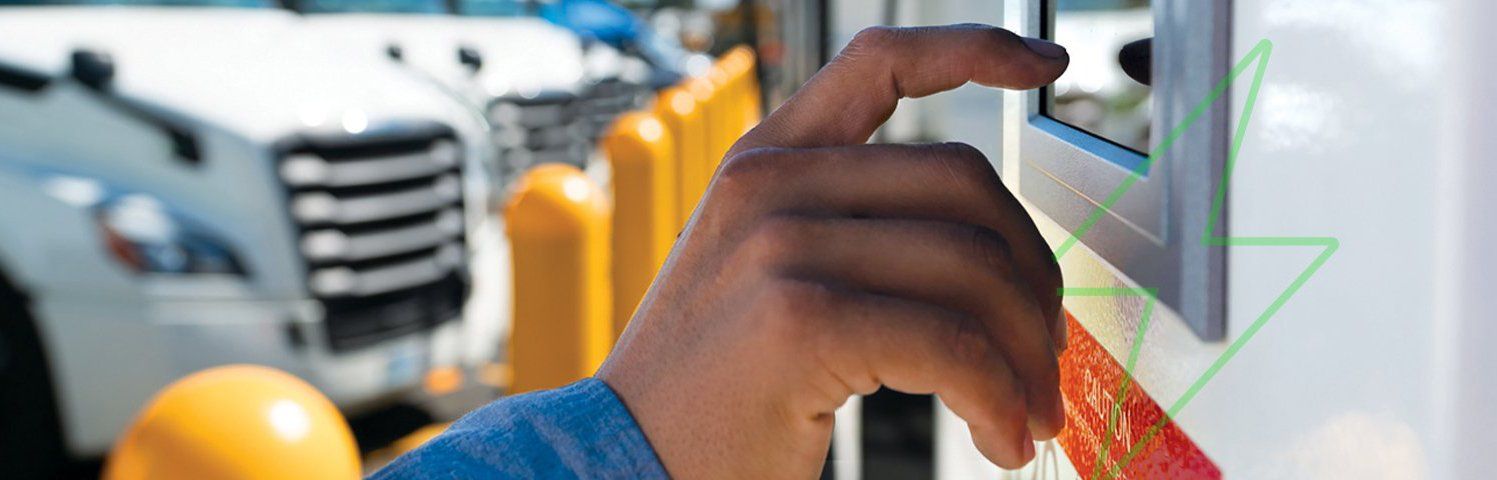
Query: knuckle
(990,247)
(746,171)
(969,344)
(782,319)
(966,161)
(966,152)
(778,236)
(971,160)
(798,299)
(875,37)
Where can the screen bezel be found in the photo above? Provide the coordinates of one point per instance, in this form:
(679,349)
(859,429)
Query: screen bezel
(1152,234)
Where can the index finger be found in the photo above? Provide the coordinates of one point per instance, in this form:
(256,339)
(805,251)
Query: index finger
(857,91)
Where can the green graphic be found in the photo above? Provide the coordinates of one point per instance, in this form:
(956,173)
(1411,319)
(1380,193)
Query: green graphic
(1258,56)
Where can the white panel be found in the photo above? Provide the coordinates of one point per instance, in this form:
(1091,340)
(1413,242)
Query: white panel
(1362,374)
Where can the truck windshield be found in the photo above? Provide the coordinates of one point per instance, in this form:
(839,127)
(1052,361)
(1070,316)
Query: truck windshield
(492,8)
(370,6)
(149,3)
(1094,5)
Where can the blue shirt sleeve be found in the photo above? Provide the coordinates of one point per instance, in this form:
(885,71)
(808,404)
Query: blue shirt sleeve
(578,431)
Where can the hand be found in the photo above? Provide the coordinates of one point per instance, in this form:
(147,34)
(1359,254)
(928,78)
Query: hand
(818,267)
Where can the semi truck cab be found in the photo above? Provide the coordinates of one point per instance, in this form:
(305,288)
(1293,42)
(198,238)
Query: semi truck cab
(198,185)
(531,79)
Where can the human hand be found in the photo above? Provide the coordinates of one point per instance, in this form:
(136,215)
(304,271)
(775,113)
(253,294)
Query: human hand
(818,267)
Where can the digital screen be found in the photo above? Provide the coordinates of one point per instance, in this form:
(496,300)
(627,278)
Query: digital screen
(1107,40)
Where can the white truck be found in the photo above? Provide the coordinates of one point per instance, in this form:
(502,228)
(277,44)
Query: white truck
(183,187)
(546,93)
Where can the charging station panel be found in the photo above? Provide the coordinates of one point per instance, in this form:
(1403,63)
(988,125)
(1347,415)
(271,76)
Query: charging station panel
(1089,154)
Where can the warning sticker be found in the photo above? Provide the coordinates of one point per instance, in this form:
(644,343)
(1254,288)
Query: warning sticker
(1114,429)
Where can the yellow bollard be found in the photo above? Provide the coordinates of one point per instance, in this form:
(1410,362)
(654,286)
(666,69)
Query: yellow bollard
(558,222)
(238,421)
(732,66)
(642,155)
(712,119)
(746,72)
(729,118)
(755,92)
(679,111)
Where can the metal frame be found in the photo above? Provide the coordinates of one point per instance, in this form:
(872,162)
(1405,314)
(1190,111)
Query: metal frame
(1153,233)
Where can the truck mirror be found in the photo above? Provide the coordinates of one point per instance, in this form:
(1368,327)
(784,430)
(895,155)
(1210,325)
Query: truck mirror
(470,57)
(92,68)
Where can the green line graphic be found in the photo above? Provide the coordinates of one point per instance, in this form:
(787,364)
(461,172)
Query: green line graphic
(1258,56)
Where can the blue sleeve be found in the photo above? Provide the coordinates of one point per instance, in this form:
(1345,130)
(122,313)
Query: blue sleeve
(578,431)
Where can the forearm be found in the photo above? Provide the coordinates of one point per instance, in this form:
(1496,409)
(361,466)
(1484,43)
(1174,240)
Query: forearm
(578,431)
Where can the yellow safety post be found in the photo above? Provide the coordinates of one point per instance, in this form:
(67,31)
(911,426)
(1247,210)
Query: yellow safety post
(558,222)
(729,119)
(755,92)
(641,154)
(679,111)
(732,66)
(712,119)
(746,72)
(239,421)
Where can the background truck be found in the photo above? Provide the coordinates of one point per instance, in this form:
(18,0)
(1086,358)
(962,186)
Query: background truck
(189,186)
(546,92)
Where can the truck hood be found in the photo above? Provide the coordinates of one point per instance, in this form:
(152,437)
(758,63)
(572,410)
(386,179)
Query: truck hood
(252,72)
(520,55)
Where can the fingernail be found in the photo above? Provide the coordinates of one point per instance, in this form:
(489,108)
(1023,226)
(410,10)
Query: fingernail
(1045,48)
(1028,445)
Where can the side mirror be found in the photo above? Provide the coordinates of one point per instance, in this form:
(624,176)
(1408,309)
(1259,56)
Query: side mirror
(91,68)
(470,57)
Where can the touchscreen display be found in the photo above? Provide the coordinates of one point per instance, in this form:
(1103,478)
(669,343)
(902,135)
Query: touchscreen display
(1105,91)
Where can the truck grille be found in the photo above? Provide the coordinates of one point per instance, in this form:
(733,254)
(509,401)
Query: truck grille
(557,127)
(532,131)
(380,228)
(608,99)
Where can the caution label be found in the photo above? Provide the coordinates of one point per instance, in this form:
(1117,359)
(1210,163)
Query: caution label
(1114,429)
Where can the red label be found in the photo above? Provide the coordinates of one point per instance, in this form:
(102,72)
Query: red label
(1091,380)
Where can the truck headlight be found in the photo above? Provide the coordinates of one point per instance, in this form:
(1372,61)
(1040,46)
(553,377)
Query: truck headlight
(146,237)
